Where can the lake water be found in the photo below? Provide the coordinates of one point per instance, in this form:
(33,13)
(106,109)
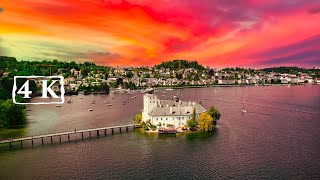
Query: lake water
(278,138)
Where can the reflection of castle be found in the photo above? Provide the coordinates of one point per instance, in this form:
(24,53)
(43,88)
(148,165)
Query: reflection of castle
(174,112)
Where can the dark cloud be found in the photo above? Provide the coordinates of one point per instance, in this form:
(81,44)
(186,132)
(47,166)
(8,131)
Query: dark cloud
(314,10)
(308,43)
(310,57)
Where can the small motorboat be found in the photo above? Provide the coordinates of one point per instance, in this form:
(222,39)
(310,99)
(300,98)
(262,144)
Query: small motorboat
(243,110)
(90,109)
(109,104)
(93,102)
(80,97)
(58,105)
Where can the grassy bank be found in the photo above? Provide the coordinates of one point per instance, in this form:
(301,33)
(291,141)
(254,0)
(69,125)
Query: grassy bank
(12,133)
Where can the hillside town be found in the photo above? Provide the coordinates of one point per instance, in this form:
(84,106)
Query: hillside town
(171,74)
(164,77)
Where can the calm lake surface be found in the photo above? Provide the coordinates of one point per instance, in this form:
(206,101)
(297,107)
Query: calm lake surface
(278,138)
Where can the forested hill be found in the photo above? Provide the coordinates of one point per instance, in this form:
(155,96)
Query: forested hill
(28,68)
(291,70)
(180,64)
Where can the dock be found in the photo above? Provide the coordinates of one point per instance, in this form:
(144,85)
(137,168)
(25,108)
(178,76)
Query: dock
(98,131)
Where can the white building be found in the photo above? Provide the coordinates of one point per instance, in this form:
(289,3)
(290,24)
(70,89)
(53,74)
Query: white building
(168,112)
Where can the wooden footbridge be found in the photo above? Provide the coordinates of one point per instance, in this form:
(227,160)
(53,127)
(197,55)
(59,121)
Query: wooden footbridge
(98,132)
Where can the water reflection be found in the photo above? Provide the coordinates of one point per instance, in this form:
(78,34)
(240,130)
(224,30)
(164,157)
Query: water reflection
(195,136)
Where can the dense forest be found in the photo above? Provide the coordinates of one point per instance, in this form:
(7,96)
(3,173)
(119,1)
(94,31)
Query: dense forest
(293,70)
(180,64)
(45,68)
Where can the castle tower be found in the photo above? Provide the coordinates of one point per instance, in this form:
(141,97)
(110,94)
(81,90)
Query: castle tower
(149,102)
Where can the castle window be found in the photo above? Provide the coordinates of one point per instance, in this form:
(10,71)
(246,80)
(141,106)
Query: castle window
(161,118)
(157,119)
(164,124)
(166,118)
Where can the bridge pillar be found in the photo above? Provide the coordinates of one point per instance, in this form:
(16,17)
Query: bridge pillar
(82,135)
(127,128)
(68,137)
(32,142)
(98,133)
(120,129)
(42,141)
(90,134)
(10,145)
(21,143)
(112,130)
(60,138)
(105,132)
(51,139)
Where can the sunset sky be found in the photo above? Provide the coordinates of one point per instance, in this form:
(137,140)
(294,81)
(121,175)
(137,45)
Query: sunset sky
(216,33)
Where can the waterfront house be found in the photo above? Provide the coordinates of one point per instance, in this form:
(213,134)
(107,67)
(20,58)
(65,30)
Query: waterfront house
(168,112)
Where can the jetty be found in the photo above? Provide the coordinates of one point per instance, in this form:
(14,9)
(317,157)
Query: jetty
(90,132)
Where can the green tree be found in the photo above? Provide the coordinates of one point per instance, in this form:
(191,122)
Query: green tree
(12,115)
(137,119)
(192,123)
(205,122)
(214,113)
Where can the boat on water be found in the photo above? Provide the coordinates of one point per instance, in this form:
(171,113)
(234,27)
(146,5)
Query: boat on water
(93,102)
(80,97)
(90,109)
(109,104)
(70,93)
(243,110)
(167,130)
(170,89)
(58,105)
(86,93)
(69,101)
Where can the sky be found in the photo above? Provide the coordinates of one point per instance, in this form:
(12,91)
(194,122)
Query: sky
(216,33)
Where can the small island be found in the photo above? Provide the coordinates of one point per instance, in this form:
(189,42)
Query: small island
(172,116)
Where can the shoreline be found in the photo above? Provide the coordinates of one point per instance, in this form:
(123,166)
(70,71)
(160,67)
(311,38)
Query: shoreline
(116,91)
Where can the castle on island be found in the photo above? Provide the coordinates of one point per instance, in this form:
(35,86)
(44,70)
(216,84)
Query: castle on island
(168,112)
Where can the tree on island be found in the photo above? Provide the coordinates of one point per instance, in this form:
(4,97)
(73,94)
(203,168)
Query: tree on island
(137,119)
(192,123)
(214,113)
(205,122)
